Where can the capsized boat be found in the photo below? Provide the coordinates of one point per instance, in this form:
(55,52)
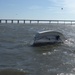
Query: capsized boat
(48,37)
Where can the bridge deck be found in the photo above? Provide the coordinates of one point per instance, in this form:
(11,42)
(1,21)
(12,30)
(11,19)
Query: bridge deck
(36,21)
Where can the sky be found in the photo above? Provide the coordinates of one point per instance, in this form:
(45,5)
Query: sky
(37,9)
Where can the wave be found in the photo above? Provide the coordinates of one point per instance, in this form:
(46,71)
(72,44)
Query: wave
(69,42)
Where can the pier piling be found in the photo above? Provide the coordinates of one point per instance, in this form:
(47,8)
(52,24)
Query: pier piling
(11,21)
(18,21)
(24,21)
(5,21)
(0,21)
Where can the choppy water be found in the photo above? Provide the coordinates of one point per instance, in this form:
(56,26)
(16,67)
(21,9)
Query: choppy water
(18,57)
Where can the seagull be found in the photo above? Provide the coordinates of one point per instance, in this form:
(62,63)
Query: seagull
(61,8)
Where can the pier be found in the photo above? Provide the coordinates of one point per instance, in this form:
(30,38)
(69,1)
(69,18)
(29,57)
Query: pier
(18,21)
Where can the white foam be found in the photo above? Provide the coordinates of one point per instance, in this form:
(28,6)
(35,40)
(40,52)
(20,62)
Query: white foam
(69,42)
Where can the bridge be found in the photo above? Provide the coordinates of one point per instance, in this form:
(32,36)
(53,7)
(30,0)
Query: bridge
(18,21)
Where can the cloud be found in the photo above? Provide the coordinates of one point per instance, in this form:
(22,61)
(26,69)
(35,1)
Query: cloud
(67,5)
(70,5)
(56,3)
(34,7)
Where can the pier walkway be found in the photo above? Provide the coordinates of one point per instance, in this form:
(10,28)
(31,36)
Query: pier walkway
(36,21)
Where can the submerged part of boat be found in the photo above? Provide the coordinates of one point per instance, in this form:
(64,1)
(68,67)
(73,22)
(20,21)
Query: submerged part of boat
(48,37)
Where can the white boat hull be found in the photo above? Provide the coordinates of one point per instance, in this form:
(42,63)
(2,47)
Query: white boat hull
(48,37)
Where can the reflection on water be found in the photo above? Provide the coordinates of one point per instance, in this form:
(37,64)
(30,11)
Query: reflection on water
(13,72)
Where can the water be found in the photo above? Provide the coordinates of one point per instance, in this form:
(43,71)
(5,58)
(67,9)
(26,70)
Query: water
(18,57)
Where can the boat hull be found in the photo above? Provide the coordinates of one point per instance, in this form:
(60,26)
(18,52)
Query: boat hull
(48,38)
(46,43)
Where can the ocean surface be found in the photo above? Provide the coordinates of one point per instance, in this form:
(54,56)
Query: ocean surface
(18,57)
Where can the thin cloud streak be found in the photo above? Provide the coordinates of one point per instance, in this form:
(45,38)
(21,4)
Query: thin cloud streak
(34,7)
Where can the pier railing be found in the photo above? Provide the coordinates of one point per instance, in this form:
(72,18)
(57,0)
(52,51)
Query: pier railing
(37,21)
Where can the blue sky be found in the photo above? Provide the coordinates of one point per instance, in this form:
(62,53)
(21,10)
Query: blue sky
(37,9)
